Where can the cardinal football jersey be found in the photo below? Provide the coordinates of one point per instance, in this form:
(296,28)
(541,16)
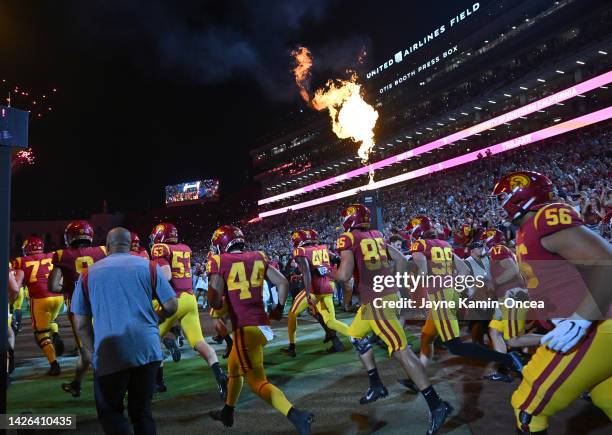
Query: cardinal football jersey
(320,267)
(499,253)
(72,262)
(36,269)
(549,277)
(244,274)
(371,260)
(178,257)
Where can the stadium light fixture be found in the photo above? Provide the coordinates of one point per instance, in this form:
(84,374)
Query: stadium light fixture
(451,119)
(556,119)
(517,142)
(602,52)
(463,113)
(523,88)
(477,107)
(581,96)
(579,62)
(491,101)
(418,132)
(408,137)
(560,72)
(486,41)
(429,128)
(440,124)
(520,112)
(541,80)
(604,87)
(507,95)
(398,141)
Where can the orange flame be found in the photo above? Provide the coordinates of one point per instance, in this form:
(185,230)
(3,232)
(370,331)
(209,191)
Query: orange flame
(303,61)
(351,116)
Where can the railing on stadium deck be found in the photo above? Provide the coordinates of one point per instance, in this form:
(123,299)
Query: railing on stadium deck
(520,141)
(543,103)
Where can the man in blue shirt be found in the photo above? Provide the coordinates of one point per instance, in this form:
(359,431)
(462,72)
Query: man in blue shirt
(123,342)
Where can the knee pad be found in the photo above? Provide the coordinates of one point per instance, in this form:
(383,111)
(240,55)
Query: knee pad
(361,345)
(45,340)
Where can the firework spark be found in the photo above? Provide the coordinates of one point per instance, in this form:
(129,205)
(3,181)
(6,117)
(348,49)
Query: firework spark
(23,158)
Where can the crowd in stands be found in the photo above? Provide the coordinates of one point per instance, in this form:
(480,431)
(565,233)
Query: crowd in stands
(579,166)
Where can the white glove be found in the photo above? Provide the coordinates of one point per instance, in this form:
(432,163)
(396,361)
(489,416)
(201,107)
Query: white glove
(566,334)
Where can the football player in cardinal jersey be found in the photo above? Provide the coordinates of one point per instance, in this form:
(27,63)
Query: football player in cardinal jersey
(44,305)
(435,257)
(312,259)
(136,249)
(68,264)
(174,259)
(237,276)
(565,262)
(508,323)
(364,253)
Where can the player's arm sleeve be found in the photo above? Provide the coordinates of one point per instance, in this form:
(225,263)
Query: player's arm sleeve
(80,301)
(418,246)
(213,265)
(345,242)
(160,254)
(163,288)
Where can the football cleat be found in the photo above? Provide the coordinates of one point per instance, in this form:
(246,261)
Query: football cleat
(73,388)
(302,420)
(499,377)
(58,344)
(336,346)
(160,387)
(438,417)
(55,369)
(222,386)
(175,352)
(373,394)
(409,384)
(289,351)
(225,415)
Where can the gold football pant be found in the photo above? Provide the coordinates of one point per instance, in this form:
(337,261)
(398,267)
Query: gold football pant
(189,318)
(324,305)
(44,311)
(382,321)
(552,380)
(509,321)
(445,318)
(246,360)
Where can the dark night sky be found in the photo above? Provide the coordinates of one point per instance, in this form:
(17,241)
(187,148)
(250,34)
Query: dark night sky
(157,92)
